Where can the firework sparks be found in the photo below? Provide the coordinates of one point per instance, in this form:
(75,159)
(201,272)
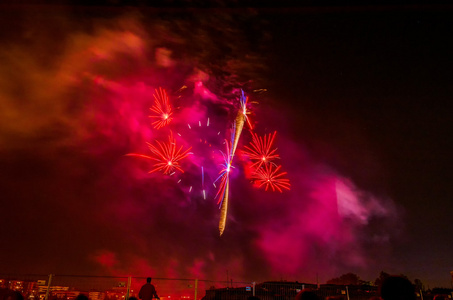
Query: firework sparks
(260,150)
(202,177)
(269,177)
(239,122)
(161,108)
(224,209)
(202,183)
(236,131)
(224,174)
(244,100)
(166,155)
(224,187)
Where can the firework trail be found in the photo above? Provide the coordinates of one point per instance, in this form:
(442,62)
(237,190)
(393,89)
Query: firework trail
(224,187)
(161,108)
(224,174)
(267,176)
(260,150)
(244,101)
(224,209)
(202,183)
(241,117)
(166,155)
(236,131)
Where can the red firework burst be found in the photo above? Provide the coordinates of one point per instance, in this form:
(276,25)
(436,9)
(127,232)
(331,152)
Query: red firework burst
(161,108)
(260,150)
(166,155)
(267,176)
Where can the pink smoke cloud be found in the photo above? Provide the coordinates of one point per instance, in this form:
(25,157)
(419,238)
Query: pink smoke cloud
(100,91)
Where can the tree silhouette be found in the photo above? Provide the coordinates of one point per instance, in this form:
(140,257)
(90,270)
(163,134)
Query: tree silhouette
(418,285)
(382,276)
(346,279)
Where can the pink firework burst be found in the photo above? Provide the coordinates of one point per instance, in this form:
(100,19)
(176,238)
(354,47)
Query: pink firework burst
(161,108)
(267,176)
(166,155)
(260,150)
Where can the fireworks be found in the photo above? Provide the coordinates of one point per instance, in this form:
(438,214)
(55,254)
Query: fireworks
(161,108)
(224,174)
(166,155)
(265,173)
(202,183)
(224,187)
(269,177)
(239,122)
(224,209)
(244,100)
(260,150)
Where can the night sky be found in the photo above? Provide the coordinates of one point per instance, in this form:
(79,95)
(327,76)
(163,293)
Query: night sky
(360,97)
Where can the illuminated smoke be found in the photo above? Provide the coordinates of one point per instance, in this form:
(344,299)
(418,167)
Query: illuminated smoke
(82,109)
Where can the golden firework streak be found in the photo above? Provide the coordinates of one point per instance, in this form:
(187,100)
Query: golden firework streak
(239,122)
(224,209)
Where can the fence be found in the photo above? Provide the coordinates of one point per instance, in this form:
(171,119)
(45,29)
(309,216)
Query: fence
(68,287)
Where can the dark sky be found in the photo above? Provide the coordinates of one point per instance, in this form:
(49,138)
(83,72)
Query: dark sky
(382,74)
(359,96)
